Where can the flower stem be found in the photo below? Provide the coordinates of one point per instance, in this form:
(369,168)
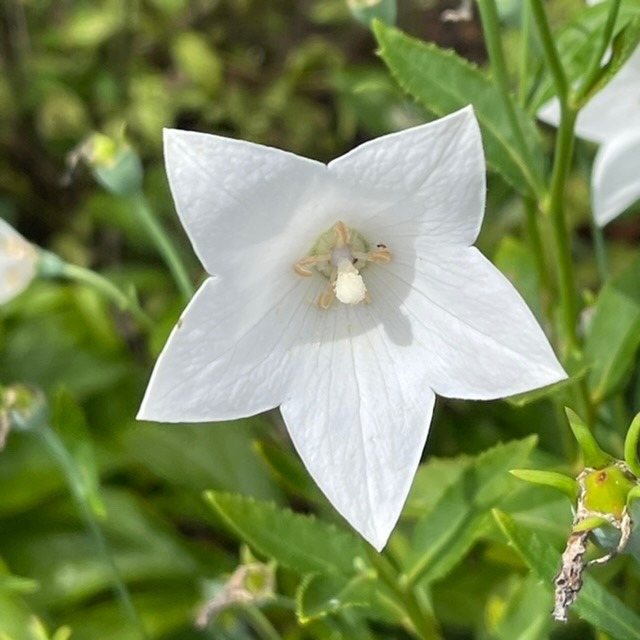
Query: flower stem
(561,167)
(523,62)
(560,233)
(550,51)
(74,481)
(164,245)
(554,206)
(492,34)
(537,248)
(264,629)
(106,288)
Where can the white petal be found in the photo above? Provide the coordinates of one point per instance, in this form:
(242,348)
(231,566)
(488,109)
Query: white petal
(17,262)
(615,180)
(235,198)
(428,180)
(358,413)
(549,112)
(228,357)
(477,337)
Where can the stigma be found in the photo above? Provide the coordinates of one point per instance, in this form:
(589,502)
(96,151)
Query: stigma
(340,253)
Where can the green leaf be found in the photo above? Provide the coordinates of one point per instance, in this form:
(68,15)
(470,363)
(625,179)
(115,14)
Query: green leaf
(53,545)
(69,421)
(576,44)
(614,333)
(217,456)
(595,605)
(443,537)
(17,584)
(290,472)
(301,543)
(515,259)
(525,612)
(321,595)
(445,82)
(431,482)
(624,44)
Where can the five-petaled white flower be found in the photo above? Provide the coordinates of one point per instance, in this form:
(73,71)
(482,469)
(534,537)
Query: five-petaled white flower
(612,119)
(18,259)
(349,295)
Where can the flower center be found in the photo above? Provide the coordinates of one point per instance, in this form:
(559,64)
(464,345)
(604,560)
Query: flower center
(340,254)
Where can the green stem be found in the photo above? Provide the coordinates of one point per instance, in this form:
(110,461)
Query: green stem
(594,69)
(422,624)
(560,232)
(106,288)
(537,247)
(555,204)
(164,245)
(550,51)
(260,623)
(74,481)
(523,62)
(492,34)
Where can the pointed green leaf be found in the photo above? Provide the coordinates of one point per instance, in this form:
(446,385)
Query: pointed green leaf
(594,604)
(592,453)
(552,479)
(447,533)
(444,82)
(624,44)
(299,542)
(614,333)
(524,613)
(321,595)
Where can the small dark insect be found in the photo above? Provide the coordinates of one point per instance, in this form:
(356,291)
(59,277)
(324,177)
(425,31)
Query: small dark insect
(381,246)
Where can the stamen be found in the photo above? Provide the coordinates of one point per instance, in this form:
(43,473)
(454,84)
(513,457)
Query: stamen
(300,267)
(343,232)
(335,255)
(325,300)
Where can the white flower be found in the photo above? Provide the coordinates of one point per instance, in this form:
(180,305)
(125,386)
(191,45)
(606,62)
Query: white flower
(349,295)
(17,262)
(612,119)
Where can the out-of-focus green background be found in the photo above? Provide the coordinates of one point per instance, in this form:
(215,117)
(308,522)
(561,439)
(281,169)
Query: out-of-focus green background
(298,74)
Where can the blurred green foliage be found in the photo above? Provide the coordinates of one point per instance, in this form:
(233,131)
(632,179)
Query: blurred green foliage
(300,75)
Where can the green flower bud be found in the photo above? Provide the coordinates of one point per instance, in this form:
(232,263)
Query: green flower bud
(606,490)
(113,163)
(22,408)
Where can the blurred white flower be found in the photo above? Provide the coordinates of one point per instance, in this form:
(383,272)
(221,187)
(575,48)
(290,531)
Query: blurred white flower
(611,119)
(348,294)
(18,259)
